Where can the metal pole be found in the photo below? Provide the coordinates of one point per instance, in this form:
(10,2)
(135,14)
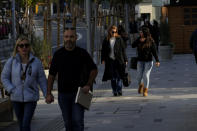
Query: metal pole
(49,21)
(126,18)
(88,23)
(45,24)
(13,20)
(58,24)
(96,31)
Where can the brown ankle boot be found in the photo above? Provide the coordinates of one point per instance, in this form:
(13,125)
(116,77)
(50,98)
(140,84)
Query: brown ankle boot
(145,93)
(140,89)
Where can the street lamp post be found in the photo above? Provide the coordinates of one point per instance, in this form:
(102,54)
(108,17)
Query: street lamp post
(13,20)
(88,23)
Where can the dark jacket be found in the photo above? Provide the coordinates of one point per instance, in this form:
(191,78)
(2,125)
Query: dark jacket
(120,56)
(193,41)
(145,54)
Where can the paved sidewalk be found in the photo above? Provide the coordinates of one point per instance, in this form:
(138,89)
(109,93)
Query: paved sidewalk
(170,106)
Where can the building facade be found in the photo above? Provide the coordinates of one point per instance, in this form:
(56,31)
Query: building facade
(150,9)
(181,26)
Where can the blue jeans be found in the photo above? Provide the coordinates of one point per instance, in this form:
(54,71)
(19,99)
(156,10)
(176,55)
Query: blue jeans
(116,82)
(24,112)
(73,114)
(143,72)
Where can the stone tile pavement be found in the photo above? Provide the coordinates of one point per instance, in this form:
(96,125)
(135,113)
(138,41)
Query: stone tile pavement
(170,106)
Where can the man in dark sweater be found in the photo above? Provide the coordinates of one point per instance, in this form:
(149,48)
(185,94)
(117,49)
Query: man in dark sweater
(75,68)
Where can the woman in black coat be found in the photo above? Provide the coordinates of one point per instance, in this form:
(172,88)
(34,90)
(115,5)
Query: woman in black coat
(113,55)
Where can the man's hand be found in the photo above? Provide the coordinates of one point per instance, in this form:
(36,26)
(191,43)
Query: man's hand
(49,98)
(86,88)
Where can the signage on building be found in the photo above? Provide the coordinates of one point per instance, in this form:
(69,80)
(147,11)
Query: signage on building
(183,2)
(157,2)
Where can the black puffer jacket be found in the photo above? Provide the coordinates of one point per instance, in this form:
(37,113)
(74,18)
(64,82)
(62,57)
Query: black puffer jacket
(145,54)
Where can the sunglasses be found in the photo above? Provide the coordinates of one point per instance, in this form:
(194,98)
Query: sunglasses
(69,28)
(113,32)
(24,45)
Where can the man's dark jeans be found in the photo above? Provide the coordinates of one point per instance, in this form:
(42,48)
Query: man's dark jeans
(24,113)
(73,114)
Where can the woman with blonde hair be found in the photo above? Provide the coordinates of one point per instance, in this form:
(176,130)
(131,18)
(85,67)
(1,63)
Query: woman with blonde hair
(21,75)
(114,57)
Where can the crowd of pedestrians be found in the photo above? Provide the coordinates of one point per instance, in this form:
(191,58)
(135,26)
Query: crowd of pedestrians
(74,68)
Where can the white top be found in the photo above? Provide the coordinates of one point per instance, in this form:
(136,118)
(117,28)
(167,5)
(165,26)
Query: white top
(112,43)
(23,67)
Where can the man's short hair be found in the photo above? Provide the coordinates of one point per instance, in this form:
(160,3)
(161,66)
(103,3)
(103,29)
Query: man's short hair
(69,28)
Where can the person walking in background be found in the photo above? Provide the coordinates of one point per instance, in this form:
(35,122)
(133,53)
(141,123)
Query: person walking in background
(123,34)
(148,25)
(114,57)
(146,49)
(156,34)
(21,76)
(193,43)
(133,29)
(75,68)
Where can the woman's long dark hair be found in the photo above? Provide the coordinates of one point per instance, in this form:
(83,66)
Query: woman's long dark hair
(149,40)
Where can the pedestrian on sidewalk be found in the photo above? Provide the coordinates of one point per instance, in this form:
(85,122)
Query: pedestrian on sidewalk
(75,68)
(146,48)
(193,43)
(133,29)
(156,34)
(123,34)
(114,57)
(21,75)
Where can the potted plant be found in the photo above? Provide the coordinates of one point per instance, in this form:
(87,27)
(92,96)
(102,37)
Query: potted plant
(166,46)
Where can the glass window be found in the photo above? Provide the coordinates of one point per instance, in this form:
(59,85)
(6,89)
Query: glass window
(194,22)
(194,16)
(186,16)
(186,10)
(194,10)
(187,22)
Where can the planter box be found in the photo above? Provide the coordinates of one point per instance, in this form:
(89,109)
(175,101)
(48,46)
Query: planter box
(6,110)
(165,52)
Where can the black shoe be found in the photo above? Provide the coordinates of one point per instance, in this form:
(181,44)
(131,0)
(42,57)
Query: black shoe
(115,94)
(119,93)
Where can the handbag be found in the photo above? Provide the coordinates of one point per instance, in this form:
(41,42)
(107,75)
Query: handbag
(133,63)
(126,78)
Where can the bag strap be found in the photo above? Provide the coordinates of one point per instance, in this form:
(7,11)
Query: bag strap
(23,77)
